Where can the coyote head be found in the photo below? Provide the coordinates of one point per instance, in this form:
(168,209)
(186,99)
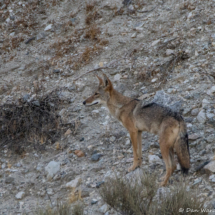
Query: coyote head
(102,94)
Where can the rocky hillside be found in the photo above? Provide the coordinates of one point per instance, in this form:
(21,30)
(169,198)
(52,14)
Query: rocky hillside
(158,50)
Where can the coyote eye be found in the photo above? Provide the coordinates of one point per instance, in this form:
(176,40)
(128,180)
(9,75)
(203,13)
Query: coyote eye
(96,94)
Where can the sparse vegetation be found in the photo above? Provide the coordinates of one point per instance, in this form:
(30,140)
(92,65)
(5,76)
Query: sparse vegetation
(140,196)
(90,6)
(75,195)
(130,196)
(78,209)
(61,209)
(34,121)
(91,17)
(63,46)
(93,32)
(178,198)
(84,57)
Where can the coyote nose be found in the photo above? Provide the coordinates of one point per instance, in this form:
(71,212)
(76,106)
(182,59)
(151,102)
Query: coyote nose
(84,103)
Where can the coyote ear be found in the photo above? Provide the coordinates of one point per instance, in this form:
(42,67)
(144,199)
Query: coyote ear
(100,81)
(107,83)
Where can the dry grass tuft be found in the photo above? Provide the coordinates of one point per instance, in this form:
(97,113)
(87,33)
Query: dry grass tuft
(78,209)
(143,75)
(63,46)
(91,17)
(130,197)
(93,33)
(139,3)
(141,197)
(34,121)
(61,209)
(75,195)
(178,198)
(103,42)
(85,57)
(90,6)
(118,12)
(12,43)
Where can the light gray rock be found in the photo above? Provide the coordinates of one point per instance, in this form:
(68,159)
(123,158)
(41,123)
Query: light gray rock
(212,178)
(117,77)
(154,80)
(197,181)
(154,159)
(205,103)
(96,157)
(210,167)
(39,167)
(65,95)
(194,136)
(166,100)
(94,201)
(111,175)
(9,180)
(210,138)
(74,183)
(26,97)
(52,168)
(104,208)
(40,36)
(36,103)
(134,35)
(210,115)
(20,195)
(127,142)
(50,191)
(169,52)
(112,138)
(201,116)
(195,111)
(162,192)
(155,42)
(48,27)
(211,91)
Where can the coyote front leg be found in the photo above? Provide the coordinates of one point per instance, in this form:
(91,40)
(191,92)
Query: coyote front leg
(134,136)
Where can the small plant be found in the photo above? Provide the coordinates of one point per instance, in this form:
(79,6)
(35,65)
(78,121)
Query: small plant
(140,196)
(34,121)
(103,42)
(78,209)
(90,6)
(85,57)
(177,201)
(93,33)
(61,209)
(91,17)
(130,196)
(75,195)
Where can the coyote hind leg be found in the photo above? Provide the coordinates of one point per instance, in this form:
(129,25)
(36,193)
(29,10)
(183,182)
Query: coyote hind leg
(139,150)
(168,157)
(168,135)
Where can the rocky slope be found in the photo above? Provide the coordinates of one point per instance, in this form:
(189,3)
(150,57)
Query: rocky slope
(159,51)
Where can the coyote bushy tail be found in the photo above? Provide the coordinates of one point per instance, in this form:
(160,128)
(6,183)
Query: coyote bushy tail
(182,148)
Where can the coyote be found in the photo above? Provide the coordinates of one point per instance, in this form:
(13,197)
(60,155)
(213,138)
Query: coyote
(152,118)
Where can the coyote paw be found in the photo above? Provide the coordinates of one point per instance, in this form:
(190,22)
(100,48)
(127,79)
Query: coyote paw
(163,184)
(133,167)
(139,162)
(163,178)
